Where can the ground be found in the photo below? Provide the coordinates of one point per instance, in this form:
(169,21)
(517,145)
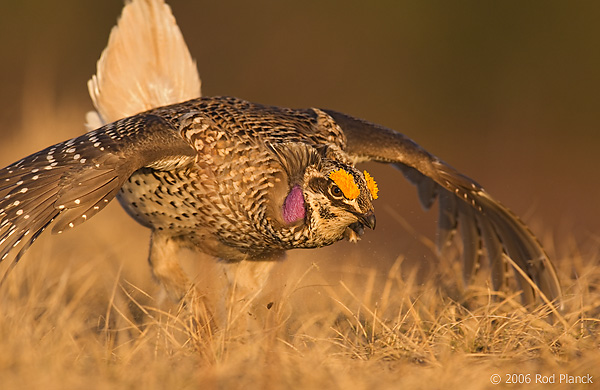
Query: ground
(504,92)
(76,316)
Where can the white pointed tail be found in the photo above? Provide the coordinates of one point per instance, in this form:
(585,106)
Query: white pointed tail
(146,64)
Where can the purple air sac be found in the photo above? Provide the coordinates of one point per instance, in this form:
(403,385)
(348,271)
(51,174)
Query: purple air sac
(293,206)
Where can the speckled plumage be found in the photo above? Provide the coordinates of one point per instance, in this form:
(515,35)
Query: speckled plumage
(220,174)
(224,198)
(213,187)
(214,173)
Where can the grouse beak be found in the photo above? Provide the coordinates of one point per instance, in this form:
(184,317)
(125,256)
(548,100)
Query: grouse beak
(368,219)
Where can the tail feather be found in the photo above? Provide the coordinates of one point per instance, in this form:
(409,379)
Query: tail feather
(146,64)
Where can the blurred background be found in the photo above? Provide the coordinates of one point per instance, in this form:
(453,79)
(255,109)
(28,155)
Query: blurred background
(506,92)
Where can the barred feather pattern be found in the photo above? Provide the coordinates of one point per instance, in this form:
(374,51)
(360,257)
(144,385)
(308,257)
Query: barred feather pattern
(224,199)
(75,179)
(464,206)
(226,139)
(206,172)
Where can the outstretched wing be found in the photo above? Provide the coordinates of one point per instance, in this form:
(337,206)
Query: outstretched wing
(464,205)
(73,180)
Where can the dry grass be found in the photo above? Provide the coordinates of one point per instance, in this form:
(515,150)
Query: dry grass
(81,311)
(71,326)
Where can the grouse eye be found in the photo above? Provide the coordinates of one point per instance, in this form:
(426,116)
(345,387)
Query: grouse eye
(336,192)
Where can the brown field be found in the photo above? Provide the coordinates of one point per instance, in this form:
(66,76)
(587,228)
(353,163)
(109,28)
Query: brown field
(513,108)
(82,312)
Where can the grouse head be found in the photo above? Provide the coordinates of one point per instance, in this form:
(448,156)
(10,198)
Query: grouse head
(326,199)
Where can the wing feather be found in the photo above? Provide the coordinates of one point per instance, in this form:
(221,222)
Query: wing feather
(495,253)
(73,180)
(463,202)
(447,219)
(471,240)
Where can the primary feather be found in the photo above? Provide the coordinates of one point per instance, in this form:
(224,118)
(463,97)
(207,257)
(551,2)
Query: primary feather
(235,179)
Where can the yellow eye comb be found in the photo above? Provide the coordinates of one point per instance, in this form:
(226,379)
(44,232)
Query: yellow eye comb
(345,181)
(371,185)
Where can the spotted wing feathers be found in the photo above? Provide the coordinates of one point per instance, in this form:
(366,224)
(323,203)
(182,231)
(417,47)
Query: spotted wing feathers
(73,180)
(465,206)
